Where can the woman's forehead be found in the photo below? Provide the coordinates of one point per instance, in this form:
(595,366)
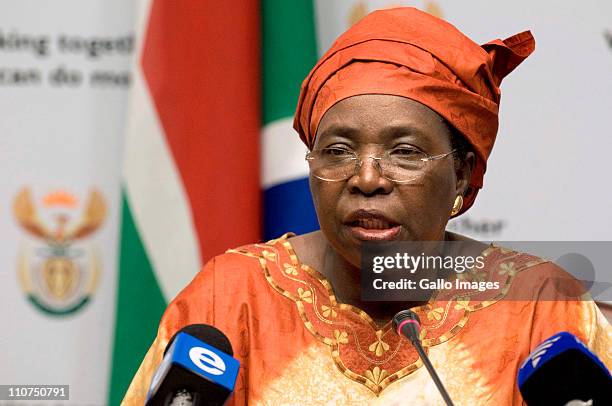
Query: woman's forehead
(387,117)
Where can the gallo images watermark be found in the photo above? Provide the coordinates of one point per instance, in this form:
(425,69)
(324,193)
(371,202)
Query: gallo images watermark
(447,270)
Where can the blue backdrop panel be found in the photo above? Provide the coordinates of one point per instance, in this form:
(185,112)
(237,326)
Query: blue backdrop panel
(288,207)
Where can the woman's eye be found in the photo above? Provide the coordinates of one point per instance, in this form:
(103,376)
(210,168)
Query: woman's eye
(336,151)
(406,152)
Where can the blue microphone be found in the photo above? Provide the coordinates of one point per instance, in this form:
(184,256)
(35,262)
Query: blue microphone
(197,369)
(562,370)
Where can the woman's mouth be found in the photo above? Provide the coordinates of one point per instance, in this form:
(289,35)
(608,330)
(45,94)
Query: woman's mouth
(372,226)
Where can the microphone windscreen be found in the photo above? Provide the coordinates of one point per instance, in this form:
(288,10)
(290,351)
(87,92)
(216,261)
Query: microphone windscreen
(563,369)
(407,323)
(208,334)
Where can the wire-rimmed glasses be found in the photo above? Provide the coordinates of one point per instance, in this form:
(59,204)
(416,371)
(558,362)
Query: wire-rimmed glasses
(399,165)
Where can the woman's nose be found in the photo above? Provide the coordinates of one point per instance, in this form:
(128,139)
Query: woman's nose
(368,178)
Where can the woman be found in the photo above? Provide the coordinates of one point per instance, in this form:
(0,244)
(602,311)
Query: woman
(399,86)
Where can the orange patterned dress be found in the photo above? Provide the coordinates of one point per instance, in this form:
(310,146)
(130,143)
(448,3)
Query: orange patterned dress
(297,345)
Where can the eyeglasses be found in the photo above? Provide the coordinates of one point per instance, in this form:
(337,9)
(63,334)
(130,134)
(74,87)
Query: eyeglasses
(400,165)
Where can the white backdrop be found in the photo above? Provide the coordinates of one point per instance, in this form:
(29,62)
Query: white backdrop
(61,142)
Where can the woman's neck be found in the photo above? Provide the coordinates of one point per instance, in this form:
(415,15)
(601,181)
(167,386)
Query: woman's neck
(313,250)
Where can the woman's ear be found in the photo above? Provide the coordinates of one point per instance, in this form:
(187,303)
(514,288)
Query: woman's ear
(463,173)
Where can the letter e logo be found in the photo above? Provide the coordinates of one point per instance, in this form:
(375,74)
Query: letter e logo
(207,360)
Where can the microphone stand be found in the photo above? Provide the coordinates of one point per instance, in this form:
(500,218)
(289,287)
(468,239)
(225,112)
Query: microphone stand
(407,324)
(432,372)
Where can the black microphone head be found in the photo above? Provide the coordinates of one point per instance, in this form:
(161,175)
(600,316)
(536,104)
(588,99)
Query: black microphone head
(208,334)
(562,369)
(407,324)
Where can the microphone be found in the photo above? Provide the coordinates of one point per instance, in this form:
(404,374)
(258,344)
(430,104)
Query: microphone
(406,323)
(198,369)
(561,371)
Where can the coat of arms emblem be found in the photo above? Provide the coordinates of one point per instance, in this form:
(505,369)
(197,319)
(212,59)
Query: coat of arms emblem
(58,269)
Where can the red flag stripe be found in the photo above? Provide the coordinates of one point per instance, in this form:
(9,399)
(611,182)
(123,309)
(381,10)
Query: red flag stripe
(201,63)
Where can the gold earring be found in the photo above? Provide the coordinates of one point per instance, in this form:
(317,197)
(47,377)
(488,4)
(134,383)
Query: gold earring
(457,205)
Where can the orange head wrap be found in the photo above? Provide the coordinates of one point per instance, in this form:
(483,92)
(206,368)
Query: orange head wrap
(407,52)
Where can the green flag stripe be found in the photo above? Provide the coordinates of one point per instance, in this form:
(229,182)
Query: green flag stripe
(140,304)
(289,52)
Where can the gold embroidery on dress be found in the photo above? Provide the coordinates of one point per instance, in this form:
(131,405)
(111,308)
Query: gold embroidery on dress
(341,337)
(507,268)
(290,269)
(305,295)
(435,314)
(379,347)
(376,375)
(328,312)
(462,303)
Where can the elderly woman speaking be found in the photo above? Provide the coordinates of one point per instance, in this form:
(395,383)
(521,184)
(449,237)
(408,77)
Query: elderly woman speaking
(399,117)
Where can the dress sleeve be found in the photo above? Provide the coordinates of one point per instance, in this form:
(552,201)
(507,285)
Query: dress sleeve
(600,337)
(195,304)
(555,312)
(540,295)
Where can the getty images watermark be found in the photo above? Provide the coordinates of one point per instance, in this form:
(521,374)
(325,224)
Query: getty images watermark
(418,271)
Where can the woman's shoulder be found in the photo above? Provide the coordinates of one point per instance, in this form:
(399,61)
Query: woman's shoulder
(520,259)
(236,276)
(254,253)
(508,259)
(243,260)
(528,276)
